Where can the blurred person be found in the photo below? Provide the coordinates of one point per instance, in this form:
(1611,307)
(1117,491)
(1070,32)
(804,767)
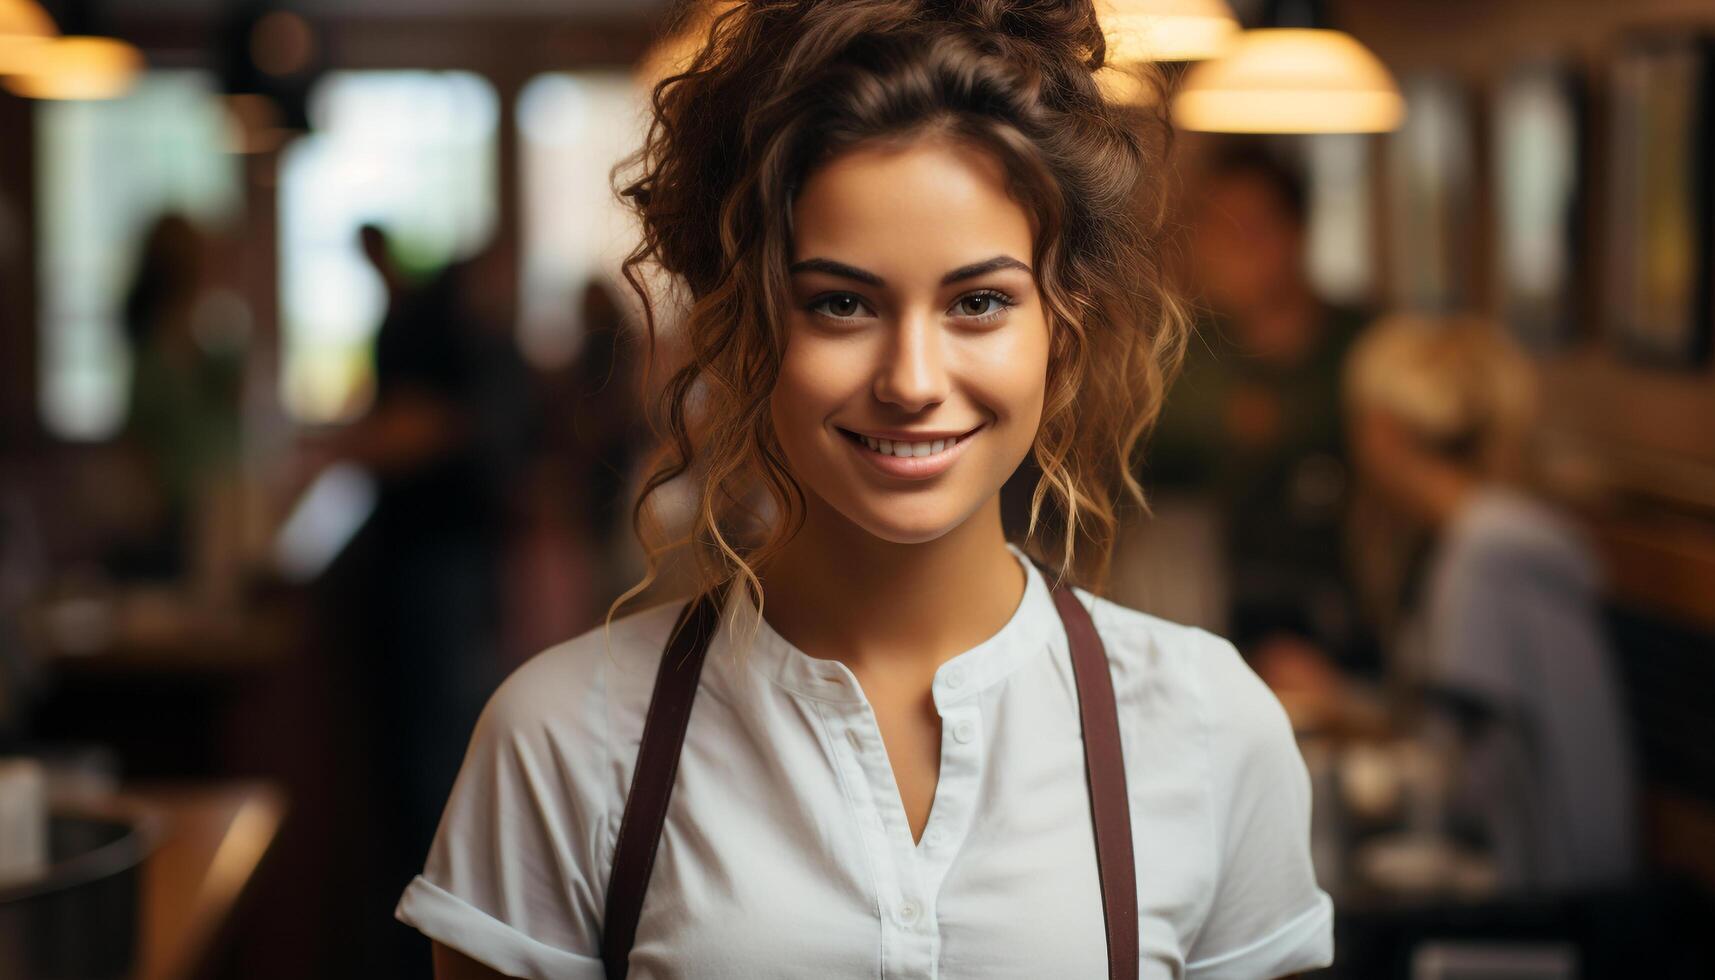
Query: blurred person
(1498,620)
(572,558)
(1254,421)
(442,440)
(183,423)
(892,741)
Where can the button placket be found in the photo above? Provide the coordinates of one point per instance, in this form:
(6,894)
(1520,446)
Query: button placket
(908,952)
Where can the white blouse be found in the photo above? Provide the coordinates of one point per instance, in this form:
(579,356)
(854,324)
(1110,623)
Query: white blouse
(787,853)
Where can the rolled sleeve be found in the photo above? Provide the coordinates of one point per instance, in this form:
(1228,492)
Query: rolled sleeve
(1304,943)
(449,920)
(1268,917)
(515,878)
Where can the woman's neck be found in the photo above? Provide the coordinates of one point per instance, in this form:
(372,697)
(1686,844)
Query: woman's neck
(840,593)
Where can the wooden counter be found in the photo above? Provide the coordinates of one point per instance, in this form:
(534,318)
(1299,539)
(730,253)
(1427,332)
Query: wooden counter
(213,837)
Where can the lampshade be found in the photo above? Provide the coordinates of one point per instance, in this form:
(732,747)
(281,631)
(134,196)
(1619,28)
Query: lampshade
(24,18)
(1291,80)
(1166,30)
(23,25)
(77,68)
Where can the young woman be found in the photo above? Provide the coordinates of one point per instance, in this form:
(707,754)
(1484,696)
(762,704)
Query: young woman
(912,237)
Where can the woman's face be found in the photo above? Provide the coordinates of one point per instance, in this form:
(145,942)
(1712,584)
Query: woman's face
(917,357)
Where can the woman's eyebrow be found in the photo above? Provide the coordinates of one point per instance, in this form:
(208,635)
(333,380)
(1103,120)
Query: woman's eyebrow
(984,267)
(832,268)
(963,272)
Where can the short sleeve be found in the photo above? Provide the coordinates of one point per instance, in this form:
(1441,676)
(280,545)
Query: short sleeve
(1268,917)
(513,879)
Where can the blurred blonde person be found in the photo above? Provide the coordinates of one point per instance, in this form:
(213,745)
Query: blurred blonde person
(1497,622)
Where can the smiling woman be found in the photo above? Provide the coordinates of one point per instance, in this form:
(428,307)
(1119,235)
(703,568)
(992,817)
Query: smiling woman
(912,323)
(1005,88)
(918,247)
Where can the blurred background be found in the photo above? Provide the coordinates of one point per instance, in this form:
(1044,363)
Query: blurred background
(322,404)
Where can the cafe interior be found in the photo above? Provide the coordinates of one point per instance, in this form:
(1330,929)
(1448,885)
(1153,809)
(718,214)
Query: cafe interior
(1440,460)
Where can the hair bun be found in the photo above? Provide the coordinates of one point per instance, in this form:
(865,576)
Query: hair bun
(1067,26)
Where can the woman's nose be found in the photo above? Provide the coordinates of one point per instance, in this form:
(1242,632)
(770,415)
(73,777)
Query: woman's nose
(913,372)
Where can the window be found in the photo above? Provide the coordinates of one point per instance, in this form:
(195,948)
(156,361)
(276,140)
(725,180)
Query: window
(574,128)
(107,171)
(412,151)
(1340,236)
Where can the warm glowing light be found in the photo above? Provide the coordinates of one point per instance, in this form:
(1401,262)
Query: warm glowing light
(1291,81)
(24,26)
(78,68)
(1166,30)
(25,18)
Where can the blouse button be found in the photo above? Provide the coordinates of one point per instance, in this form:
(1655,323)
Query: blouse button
(936,837)
(955,677)
(964,731)
(908,911)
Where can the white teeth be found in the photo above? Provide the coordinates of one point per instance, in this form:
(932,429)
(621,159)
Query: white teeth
(906,450)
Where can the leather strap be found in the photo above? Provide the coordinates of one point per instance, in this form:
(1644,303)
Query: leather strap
(652,782)
(664,735)
(1104,770)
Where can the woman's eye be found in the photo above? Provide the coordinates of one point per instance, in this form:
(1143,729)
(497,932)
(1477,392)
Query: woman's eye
(840,306)
(981,305)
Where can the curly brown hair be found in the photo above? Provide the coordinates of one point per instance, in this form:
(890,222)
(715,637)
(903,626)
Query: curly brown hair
(781,86)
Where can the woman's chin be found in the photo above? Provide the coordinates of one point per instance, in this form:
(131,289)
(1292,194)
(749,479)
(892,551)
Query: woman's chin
(919,527)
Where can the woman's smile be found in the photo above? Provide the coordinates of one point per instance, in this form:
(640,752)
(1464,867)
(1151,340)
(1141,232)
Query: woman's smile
(908,455)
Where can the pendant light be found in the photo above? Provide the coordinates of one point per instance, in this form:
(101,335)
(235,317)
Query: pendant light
(24,25)
(1166,30)
(24,18)
(1291,79)
(77,68)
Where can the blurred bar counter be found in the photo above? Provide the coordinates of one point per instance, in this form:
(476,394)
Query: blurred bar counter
(158,630)
(214,837)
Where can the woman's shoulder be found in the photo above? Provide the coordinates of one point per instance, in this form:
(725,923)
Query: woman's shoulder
(569,690)
(1171,670)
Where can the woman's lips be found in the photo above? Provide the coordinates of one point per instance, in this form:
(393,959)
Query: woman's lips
(911,467)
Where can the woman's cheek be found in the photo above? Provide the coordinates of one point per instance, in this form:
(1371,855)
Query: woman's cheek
(813,380)
(1010,371)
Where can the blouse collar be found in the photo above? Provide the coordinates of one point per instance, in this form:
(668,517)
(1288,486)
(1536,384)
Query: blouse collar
(1028,632)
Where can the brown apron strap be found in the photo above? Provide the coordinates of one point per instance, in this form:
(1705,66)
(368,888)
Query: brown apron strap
(652,781)
(1104,769)
(664,735)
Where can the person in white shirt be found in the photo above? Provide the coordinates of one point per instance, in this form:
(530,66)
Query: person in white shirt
(1499,632)
(917,241)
